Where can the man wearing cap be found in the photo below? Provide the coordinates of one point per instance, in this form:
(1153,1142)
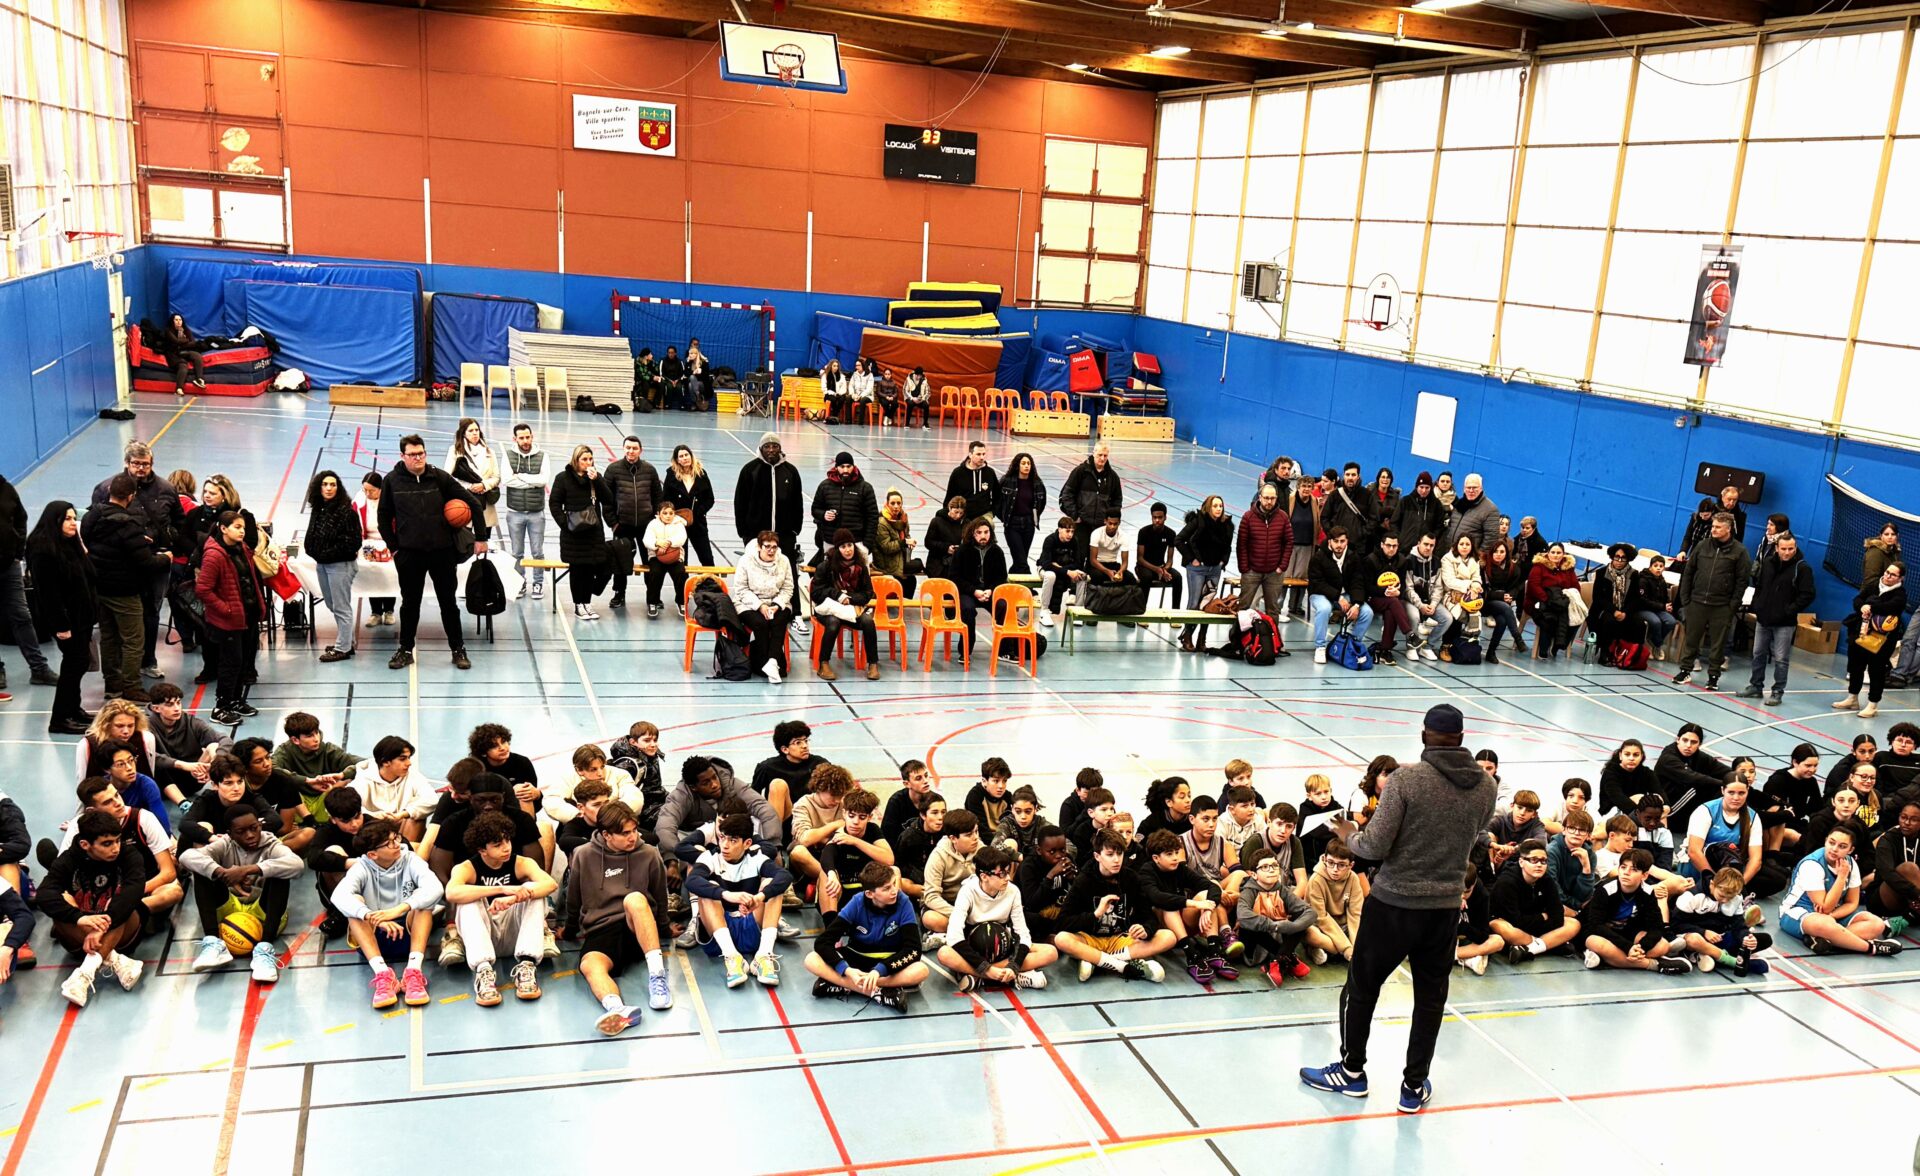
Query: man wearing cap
(844,499)
(1421,834)
(769,497)
(1420,513)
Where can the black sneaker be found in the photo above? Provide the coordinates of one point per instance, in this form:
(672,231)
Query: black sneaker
(401,659)
(46,852)
(825,990)
(333,926)
(460,660)
(1672,967)
(892,998)
(1821,947)
(619,600)
(244,709)
(1713,681)
(334,655)
(43,676)
(1681,678)
(653,610)
(1517,954)
(225,717)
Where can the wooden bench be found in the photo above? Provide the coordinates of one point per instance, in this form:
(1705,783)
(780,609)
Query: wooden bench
(1153,616)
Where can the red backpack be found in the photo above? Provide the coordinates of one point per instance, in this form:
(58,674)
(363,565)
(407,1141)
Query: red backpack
(1260,643)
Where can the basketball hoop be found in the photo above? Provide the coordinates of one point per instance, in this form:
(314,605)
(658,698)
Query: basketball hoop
(103,259)
(1379,304)
(787,61)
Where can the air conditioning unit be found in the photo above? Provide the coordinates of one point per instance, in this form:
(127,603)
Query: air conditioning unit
(1261,281)
(6,198)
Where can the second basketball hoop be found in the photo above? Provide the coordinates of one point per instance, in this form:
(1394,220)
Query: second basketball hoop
(767,55)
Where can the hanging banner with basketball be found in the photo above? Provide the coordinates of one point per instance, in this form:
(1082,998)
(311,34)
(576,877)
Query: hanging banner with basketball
(1713,304)
(622,124)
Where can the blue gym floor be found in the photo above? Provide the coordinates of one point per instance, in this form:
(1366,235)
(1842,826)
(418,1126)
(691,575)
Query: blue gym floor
(1547,1061)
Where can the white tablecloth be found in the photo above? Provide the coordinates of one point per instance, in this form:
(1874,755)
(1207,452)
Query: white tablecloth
(379,578)
(1598,555)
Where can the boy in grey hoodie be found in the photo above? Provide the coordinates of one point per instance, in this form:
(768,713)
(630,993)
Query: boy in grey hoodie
(249,864)
(1429,816)
(1273,920)
(619,885)
(388,873)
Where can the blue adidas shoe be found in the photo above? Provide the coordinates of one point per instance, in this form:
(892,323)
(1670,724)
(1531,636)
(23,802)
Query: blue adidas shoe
(1413,1100)
(1335,1079)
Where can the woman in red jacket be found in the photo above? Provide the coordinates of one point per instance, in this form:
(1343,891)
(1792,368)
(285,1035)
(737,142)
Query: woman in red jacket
(229,587)
(1547,583)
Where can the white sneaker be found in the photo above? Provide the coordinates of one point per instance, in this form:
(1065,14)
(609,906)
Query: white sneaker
(452,950)
(1154,971)
(1591,959)
(1869,710)
(1475,964)
(688,938)
(266,963)
(1086,971)
(77,988)
(549,948)
(1316,956)
(773,671)
(1429,654)
(213,954)
(1030,980)
(1046,620)
(802,626)
(659,996)
(1320,656)
(1286,614)
(126,970)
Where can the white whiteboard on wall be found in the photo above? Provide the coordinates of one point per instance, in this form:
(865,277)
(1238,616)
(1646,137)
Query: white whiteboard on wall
(622,124)
(1433,426)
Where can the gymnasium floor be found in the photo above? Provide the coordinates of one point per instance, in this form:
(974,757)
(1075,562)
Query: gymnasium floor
(1546,1061)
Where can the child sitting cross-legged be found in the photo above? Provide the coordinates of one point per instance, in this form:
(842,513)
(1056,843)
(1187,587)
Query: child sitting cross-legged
(1475,940)
(871,946)
(1189,907)
(1621,925)
(1020,828)
(1718,925)
(1335,894)
(987,939)
(1105,916)
(1822,906)
(738,889)
(1527,913)
(1274,921)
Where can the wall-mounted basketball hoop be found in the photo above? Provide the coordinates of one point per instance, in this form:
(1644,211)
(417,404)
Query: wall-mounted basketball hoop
(767,55)
(1380,306)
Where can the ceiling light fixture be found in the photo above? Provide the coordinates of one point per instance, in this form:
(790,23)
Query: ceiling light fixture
(1171,51)
(1441,5)
(1077,66)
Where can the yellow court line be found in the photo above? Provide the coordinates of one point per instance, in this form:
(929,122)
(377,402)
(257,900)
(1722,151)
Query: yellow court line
(9,1131)
(339,1028)
(155,440)
(1468,1017)
(451,999)
(699,1005)
(150,1084)
(216,1065)
(564,975)
(85,1106)
(395,1013)
(1111,1149)
(282,1044)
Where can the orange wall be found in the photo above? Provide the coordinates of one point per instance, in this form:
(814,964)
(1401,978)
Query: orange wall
(374,99)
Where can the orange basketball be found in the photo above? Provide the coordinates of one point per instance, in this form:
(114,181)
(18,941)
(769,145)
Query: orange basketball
(457,512)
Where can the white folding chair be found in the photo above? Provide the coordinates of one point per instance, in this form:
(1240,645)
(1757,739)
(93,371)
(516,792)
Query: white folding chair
(556,386)
(526,380)
(499,379)
(474,376)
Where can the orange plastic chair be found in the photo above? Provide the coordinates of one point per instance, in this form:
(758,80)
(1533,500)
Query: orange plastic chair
(996,402)
(1008,624)
(694,628)
(789,406)
(1037,400)
(970,407)
(839,639)
(948,405)
(890,617)
(1062,403)
(942,598)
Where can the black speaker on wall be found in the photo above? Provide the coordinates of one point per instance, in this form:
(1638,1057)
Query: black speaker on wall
(1713,478)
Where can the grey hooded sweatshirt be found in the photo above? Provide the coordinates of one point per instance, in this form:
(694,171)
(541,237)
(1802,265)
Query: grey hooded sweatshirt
(599,880)
(1429,814)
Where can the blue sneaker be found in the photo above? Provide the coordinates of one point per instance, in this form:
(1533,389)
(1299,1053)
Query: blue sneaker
(1412,1100)
(1335,1079)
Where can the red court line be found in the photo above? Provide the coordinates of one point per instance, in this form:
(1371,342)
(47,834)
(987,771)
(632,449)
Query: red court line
(54,1052)
(1823,994)
(257,995)
(199,693)
(353,456)
(1066,1071)
(806,1071)
(1188,1133)
(287,473)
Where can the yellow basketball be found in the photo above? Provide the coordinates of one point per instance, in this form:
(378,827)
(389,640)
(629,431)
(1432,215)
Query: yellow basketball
(1388,580)
(242,929)
(1473,605)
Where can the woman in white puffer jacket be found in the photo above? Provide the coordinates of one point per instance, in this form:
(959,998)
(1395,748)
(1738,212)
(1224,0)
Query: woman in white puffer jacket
(762,583)
(1460,582)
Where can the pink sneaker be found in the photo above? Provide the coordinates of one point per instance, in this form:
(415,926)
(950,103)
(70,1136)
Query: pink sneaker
(385,989)
(414,983)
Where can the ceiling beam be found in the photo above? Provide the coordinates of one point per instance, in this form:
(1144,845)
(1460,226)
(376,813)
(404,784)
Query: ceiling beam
(1366,18)
(1725,11)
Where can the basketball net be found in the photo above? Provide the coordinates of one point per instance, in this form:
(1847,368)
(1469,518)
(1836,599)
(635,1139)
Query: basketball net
(788,61)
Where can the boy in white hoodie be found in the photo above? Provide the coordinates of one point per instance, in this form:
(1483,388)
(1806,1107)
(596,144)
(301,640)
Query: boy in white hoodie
(249,864)
(394,790)
(392,875)
(987,941)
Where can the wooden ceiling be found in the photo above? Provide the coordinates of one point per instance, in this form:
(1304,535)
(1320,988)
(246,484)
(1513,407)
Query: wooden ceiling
(1134,42)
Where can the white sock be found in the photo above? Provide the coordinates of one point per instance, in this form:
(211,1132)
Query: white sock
(381,967)
(90,965)
(1537,946)
(416,960)
(612,1002)
(724,938)
(656,963)
(765,949)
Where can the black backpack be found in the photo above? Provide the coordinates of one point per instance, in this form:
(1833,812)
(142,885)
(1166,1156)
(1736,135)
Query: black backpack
(1117,600)
(730,659)
(1260,643)
(486,595)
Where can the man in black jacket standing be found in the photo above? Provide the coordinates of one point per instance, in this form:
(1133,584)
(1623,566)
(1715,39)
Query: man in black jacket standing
(13,588)
(413,521)
(157,508)
(125,561)
(1090,491)
(1710,589)
(1421,834)
(1351,506)
(769,497)
(1783,590)
(975,481)
(844,499)
(636,486)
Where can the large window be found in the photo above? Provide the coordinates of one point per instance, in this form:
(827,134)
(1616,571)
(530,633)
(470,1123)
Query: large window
(1092,218)
(1550,222)
(64,123)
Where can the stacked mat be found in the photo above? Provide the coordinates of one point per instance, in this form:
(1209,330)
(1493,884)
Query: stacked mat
(598,366)
(229,371)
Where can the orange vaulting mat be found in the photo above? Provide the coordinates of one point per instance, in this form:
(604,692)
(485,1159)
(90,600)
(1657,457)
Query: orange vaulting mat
(964,363)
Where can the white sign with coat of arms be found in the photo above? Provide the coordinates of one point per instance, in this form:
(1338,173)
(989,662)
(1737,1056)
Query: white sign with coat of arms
(622,124)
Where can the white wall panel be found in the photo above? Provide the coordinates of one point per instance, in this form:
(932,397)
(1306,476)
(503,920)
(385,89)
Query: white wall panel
(1567,185)
(1215,238)
(1331,187)
(1271,180)
(1464,260)
(1900,213)
(1555,267)
(1793,285)
(1814,189)
(1545,342)
(1265,238)
(1826,86)
(1483,107)
(1224,131)
(1277,118)
(1692,95)
(1888,314)
(1473,186)
(1784,375)
(1406,113)
(1880,391)
(1220,185)
(1457,330)
(1166,290)
(1397,186)
(1677,187)
(1653,274)
(1179,134)
(1580,101)
(1209,298)
(1338,121)
(1643,355)
(1315,310)
(1173,185)
(1167,240)
(1320,251)
(1390,248)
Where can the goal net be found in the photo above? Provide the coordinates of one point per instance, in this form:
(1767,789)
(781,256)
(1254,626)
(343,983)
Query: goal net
(732,334)
(1858,517)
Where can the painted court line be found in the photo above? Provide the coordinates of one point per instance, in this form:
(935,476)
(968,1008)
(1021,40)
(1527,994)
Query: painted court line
(24,1131)
(819,1099)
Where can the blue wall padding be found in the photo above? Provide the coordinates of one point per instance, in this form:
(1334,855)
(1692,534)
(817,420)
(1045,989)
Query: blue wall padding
(196,287)
(472,328)
(337,334)
(837,336)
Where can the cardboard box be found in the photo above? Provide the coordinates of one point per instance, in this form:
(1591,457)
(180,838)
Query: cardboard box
(1816,636)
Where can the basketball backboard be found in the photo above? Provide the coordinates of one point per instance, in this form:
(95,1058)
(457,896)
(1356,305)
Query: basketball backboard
(767,55)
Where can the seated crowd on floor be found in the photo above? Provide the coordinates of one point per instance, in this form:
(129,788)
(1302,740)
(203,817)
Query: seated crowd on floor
(1662,866)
